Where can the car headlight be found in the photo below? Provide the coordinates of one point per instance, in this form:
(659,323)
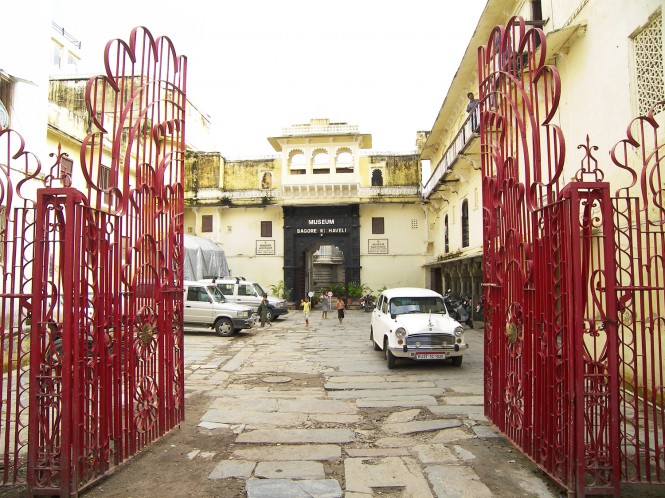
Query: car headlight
(245,314)
(400,333)
(459,331)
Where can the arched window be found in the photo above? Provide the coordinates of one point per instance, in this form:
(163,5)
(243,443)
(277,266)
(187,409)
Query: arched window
(377,178)
(446,244)
(465,223)
(297,162)
(344,161)
(320,161)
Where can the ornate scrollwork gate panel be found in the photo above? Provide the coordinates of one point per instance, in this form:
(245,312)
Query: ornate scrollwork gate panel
(551,362)
(105,300)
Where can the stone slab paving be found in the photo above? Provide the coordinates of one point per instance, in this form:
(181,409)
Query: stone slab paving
(232,468)
(233,416)
(363,474)
(312,420)
(435,453)
(465,400)
(292,436)
(422,392)
(316,406)
(289,452)
(403,416)
(293,469)
(397,401)
(289,488)
(456,482)
(421,426)
(455,410)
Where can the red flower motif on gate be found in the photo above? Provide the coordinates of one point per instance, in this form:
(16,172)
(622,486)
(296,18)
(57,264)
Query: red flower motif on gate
(514,398)
(145,408)
(145,333)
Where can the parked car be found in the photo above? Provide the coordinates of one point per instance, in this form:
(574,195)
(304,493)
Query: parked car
(413,323)
(205,306)
(241,291)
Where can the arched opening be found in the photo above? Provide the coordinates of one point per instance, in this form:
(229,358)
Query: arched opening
(324,265)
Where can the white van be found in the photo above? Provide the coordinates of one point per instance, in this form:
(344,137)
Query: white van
(241,291)
(205,306)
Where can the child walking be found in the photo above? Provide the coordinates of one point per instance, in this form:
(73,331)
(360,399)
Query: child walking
(306,307)
(340,309)
(325,304)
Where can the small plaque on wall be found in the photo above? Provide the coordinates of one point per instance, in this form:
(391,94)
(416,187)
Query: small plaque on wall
(377,246)
(265,247)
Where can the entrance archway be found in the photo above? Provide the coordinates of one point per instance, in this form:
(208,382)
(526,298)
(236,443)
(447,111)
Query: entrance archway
(324,267)
(306,230)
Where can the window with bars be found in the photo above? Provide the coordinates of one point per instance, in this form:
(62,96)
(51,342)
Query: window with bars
(377,226)
(206,223)
(266,229)
(649,67)
(465,223)
(445,235)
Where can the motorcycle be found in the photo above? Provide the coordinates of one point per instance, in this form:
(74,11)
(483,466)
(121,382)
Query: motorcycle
(367,303)
(459,308)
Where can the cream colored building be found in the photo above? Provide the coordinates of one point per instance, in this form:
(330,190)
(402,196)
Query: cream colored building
(610,58)
(323,211)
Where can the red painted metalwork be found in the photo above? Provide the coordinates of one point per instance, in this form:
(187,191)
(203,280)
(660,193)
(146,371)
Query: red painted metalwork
(93,271)
(551,350)
(639,223)
(18,170)
(575,282)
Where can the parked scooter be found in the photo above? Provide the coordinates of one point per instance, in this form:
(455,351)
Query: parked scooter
(459,308)
(367,302)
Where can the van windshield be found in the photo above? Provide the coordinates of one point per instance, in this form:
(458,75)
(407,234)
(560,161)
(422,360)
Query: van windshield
(216,294)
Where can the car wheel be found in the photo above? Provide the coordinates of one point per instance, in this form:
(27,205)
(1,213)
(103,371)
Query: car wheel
(392,360)
(371,338)
(224,327)
(270,316)
(457,361)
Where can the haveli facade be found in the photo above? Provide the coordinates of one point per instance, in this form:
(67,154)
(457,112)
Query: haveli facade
(255,208)
(322,212)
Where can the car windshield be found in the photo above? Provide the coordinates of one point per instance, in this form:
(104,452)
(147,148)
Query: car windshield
(216,294)
(259,290)
(426,304)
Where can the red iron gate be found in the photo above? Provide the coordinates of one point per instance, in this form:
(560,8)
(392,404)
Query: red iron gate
(574,282)
(95,275)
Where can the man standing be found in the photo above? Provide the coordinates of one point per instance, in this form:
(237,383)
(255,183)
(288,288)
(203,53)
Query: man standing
(472,109)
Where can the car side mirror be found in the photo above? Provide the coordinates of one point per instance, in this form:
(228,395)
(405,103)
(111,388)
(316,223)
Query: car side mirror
(393,316)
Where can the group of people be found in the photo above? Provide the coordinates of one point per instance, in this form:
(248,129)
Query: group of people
(325,307)
(306,305)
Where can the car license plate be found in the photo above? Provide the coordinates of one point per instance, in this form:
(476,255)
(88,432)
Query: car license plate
(431,356)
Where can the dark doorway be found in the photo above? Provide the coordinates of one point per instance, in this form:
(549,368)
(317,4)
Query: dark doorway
(310,227)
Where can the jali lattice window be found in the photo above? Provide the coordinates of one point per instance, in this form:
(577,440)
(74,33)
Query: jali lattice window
(649,67)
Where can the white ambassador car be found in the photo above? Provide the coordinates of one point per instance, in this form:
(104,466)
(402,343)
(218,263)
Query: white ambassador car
(414,323)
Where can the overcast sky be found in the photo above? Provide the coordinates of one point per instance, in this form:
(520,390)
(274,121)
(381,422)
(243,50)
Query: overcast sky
(257,66)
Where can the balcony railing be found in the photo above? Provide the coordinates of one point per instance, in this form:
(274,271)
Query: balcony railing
(68,36)
(320,130)
(463,137)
